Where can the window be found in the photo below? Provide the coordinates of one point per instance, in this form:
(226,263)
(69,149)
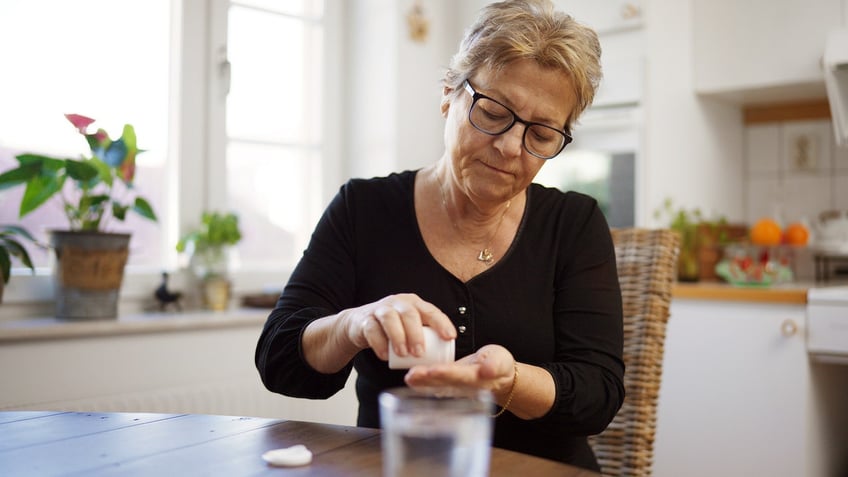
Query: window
(274,120)
(94,64)
(227,98)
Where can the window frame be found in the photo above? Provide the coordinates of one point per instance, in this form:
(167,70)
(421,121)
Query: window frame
(196,163)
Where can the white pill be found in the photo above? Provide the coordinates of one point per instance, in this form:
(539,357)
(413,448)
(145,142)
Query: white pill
(288,457)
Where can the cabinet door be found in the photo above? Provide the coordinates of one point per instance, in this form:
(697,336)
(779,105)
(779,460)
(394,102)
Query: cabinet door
(757,44)
(610,16)
(734,392)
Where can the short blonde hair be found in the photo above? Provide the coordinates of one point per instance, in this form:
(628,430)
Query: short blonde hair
(530,29)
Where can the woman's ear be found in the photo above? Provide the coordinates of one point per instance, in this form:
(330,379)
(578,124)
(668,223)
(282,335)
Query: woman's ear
(446,100)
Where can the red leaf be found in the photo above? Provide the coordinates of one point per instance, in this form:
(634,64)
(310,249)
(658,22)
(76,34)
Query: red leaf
(80,122)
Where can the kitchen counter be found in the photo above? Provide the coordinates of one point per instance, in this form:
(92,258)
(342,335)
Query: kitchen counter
(708,290)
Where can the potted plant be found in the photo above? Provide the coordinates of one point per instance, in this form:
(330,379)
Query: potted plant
(209,246)
(701,240)
(92,191)
(685,223)
(11,246)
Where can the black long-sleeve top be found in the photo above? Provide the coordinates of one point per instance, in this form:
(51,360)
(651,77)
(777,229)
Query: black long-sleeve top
(553,300)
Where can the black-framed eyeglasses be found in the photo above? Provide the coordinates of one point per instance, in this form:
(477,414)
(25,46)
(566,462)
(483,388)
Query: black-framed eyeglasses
(493,118)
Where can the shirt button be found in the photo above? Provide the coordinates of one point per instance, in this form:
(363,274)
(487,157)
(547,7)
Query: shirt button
(461,310)
(461,329)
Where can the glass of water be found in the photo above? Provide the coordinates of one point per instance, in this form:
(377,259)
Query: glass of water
(444,433)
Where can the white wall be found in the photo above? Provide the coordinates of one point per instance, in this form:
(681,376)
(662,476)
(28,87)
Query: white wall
(371,87)
(394,86)
(421,69)
(693,148)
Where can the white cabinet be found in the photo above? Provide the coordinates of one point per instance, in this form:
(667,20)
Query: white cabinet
(736,392)
(610,16)
(762,50)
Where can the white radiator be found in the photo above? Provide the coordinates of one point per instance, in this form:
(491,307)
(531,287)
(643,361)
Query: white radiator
(231,398)
(208,371)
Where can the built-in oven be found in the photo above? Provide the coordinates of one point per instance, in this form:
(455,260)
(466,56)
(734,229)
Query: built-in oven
(827,324)
(601,162)
(827,347)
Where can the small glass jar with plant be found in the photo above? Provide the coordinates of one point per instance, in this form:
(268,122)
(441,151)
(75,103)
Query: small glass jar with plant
(208,247)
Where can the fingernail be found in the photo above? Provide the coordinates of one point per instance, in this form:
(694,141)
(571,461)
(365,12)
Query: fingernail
(419,350)
(400,350)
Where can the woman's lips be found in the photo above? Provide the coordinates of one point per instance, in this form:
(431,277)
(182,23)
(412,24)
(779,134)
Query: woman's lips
(498,169)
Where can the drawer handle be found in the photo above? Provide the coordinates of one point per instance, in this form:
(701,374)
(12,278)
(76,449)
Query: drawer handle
(788,328)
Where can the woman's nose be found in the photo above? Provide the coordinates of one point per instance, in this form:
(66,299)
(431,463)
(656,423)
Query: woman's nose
(509,143)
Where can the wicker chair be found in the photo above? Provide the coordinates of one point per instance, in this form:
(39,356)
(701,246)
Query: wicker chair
(646,268)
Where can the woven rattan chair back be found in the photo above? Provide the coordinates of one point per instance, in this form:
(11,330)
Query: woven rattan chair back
(646,262)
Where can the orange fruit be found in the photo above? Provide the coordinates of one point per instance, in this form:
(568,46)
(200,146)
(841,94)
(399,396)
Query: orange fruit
(766,232)
(796,234)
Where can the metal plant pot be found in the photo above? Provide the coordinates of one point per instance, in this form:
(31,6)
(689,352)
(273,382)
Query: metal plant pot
(88,273)
(216,293)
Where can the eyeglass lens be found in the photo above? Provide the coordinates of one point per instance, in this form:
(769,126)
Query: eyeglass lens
(491,117)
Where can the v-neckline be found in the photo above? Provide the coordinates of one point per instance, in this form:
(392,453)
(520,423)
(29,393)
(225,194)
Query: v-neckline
(489,269)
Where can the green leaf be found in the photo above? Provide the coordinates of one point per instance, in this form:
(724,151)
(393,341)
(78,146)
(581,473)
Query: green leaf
(50,165)
(188,238)
(19,175)
(119,211)
(72,213)
(97,201)
(36,165)
(27,158)
(90,226)
(80,170)
(7,230)
(93,143)
(216,230)
(16,249)
(103,170)
(38,191)
(128,135)
(143,208)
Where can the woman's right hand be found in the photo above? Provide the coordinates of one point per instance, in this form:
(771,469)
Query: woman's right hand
(396,320)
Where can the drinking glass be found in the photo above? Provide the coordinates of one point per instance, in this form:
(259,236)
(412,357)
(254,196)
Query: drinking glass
(443,433)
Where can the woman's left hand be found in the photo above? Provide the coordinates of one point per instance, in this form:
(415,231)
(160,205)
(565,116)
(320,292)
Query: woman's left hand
(491,367)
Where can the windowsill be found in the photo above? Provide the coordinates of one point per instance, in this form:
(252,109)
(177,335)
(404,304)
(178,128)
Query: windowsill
(28,302)
(43,329)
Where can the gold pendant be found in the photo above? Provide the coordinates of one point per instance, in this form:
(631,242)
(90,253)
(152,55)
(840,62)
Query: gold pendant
(486,256)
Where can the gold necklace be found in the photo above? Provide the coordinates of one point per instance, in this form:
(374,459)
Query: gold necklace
(486,255)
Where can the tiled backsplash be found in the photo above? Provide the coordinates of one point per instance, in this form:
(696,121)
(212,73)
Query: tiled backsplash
(794,171)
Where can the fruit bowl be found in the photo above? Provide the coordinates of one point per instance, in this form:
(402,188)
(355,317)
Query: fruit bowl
(756,265)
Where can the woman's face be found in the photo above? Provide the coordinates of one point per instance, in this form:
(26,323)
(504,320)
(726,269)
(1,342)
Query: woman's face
(493,169)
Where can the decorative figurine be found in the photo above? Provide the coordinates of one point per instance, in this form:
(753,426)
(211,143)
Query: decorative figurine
(418,23)
(166,297)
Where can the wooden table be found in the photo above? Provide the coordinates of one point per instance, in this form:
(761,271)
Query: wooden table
(89,444)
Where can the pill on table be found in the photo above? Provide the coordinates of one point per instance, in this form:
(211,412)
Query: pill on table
(288,457)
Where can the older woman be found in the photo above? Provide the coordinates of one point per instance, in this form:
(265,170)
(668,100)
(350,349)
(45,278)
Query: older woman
(522,276)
